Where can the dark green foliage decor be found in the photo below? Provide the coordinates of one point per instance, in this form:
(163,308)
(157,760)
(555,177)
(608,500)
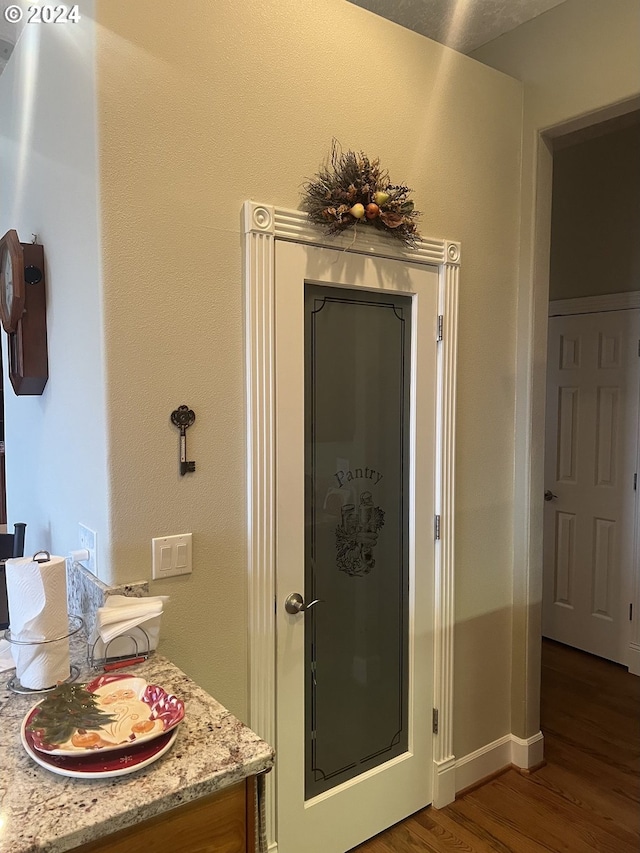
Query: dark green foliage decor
(67,708)
(350,189)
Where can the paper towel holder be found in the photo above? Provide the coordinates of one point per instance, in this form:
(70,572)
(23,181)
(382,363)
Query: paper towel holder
(76,623)
(37,558)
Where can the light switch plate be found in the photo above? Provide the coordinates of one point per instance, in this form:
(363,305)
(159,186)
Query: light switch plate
(171,555)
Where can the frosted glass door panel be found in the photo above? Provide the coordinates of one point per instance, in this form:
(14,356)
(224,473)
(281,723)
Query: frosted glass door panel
(357,419)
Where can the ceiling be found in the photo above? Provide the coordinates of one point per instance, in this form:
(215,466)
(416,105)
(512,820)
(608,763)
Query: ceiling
(463,25)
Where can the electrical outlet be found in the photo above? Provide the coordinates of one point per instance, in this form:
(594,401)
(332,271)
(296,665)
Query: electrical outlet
(87,539)
(171,556)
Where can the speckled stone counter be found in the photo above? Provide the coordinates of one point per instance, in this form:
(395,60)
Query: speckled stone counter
(41,812)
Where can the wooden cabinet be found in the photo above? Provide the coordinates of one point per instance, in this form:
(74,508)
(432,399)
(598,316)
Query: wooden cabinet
(223,822)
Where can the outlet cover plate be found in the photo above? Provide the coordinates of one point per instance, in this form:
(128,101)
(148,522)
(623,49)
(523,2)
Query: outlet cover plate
(88,541)
(171,555)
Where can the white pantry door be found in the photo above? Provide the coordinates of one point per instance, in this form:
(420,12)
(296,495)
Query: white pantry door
(355,484)
(593,382)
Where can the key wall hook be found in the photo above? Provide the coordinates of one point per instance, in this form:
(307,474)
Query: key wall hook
(183,417)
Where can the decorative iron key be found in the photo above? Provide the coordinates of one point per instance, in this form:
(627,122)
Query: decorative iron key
(183,417)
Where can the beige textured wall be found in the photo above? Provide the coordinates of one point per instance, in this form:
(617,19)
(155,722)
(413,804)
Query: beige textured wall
(579,63)
(595,219)
(208,104)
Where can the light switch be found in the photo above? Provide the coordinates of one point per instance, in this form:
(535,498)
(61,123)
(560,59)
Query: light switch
(171,555)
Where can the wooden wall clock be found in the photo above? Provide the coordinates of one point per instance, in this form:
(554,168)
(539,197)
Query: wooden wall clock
(23,312)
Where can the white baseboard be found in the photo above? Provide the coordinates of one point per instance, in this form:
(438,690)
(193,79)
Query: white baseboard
(444,783)
(502,753)
(527,753)
(481,763)
(633,659)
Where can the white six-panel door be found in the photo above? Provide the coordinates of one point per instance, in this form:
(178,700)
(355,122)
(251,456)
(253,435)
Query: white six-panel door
(593,383)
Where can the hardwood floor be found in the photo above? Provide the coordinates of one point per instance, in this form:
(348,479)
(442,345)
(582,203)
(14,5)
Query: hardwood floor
(586,799)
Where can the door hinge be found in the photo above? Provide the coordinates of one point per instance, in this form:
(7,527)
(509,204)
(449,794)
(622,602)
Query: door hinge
(440,327)
(635,481)
(436,527)
(435,721)
(631,612)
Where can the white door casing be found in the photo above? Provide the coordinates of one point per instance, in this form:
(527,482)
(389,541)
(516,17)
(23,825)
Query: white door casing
(264,225)
(591,451)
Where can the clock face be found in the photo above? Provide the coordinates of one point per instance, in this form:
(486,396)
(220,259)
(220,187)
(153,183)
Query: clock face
(12,287)
(7,269)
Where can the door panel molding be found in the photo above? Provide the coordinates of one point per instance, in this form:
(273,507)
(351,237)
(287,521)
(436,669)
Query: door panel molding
(565,559)
(262,225)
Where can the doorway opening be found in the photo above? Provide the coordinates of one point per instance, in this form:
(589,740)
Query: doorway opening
(591,571)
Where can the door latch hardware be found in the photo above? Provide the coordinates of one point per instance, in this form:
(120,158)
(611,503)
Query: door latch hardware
(294,603)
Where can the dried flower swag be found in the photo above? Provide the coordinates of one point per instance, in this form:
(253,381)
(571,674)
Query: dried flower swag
(351,188)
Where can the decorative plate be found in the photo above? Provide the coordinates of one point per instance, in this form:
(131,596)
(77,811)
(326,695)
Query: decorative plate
(109,713)
(100,765)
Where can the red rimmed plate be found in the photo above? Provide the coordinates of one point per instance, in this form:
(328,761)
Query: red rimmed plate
(100,765)
(141,712)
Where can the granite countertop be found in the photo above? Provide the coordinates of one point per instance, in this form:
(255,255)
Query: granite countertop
(41,812)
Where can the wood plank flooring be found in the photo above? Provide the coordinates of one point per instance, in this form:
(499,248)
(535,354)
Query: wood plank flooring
(586,799)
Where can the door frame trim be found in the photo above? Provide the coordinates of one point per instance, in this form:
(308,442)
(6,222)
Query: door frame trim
(263,224)
(595,304)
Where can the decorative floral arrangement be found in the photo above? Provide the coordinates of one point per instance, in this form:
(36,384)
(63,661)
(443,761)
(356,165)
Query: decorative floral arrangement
(352,189)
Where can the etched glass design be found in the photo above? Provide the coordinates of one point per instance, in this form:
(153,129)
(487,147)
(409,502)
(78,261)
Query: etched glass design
(357,417)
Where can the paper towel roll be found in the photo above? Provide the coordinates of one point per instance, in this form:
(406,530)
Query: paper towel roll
(37,593)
